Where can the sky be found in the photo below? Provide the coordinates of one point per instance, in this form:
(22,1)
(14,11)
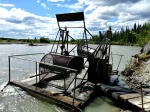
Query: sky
(36,18)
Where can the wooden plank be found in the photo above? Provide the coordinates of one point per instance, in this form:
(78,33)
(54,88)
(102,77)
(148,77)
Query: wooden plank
(129,96)
(57,97)
(137,101)
(125,95)
(146,106)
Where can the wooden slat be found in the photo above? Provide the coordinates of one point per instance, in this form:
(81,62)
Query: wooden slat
(137,101)
(129,96)
(146,106)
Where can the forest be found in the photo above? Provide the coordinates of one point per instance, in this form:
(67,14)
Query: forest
(139,35)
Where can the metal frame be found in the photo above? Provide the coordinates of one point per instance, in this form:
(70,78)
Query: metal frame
(62,36)
(79,16)
(36,63)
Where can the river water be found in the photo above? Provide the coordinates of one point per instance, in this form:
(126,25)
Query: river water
(13,99)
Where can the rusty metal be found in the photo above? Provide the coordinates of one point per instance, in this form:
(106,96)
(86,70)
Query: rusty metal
(61,60)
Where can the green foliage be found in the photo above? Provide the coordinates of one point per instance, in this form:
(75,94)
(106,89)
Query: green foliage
(129,64)
(8,40)
(35,40)
(139,35)
(144,56)
(73,41)
(44,40)
(95,39)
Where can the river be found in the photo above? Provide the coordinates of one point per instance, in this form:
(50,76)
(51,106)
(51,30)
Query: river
(13,99)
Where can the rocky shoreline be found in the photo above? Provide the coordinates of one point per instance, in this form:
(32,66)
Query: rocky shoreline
(138,71)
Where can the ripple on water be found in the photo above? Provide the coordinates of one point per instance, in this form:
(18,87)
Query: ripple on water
(13,99)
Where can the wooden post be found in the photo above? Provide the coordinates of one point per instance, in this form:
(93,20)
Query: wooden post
(142,97)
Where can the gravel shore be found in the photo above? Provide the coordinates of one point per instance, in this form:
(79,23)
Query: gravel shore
(139,73)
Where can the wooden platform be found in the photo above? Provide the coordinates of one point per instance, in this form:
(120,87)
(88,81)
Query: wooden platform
(126,96)
(62,99)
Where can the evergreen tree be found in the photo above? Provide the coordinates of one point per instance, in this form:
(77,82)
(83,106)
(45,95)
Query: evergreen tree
(134,27)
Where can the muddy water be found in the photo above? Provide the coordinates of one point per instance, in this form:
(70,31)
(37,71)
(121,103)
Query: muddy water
(13,99)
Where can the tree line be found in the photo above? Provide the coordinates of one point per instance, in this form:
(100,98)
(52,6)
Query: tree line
(35,40)
(139,35)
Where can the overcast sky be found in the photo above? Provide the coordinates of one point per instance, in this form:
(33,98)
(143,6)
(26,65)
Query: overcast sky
(36,18)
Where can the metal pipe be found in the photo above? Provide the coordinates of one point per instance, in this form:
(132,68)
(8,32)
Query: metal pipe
(84,76)
(54,41)
(9,68)
(24,59)
(65,85)
(73,48)
(70,83)
(118,54)
(36,74)
(89,32)
(26,54)
(50,65)
(57,45)
(119,62)
(74,90)
(86,37)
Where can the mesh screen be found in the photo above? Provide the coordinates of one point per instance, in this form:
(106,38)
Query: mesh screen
(73,62)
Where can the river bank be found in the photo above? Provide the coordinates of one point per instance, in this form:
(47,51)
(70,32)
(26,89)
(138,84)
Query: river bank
(73,43)
(138,71)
